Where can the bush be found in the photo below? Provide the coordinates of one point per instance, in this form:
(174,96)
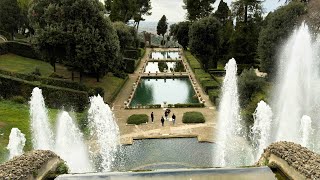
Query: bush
(62,168)
(214,95)
(210,84)
(138,119)
(120,74)
(154,106)
(249,84)
(56,97)
(19,99)
(129,65)
(191,105)
(132,54)
(22,49)
(3,48)
(55,75)
(193,117)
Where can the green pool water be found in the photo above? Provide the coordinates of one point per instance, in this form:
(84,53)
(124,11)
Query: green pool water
(165,55)
(156,91)
(154,67)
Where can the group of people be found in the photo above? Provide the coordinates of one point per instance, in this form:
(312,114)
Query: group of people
(166,115)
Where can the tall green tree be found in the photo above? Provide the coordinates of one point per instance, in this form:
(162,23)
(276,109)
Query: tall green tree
(124,32)
(205,41)
(162,26)
(77,32)
(277,29)
(24,7)
(124,10)
(182,34)
(244,10)
(10,16)
(198,9)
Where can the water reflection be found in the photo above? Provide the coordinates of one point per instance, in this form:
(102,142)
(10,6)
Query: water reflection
(156,91)
(165,55)
(154,67)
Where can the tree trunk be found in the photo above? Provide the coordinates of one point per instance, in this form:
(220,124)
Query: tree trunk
(138,23)
(246,13)
(98,76)
(81,76)
(72,75)
(54,67)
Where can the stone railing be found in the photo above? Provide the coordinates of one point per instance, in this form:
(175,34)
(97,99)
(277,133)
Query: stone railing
(295,161)
(32,165)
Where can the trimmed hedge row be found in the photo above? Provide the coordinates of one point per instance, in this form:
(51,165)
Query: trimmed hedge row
(193,117)
(193,62)
(132,54)
(129,65)
(48,81)
(138,119)
(191,105)
(55,97)
(20,48)
(214,96)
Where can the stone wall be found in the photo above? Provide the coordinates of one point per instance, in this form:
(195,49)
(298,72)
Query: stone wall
(32,165)
(295,161)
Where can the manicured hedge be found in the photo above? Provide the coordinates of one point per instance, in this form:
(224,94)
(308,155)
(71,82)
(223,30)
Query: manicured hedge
(193,117)
(214,96)
(138,119)
(55,97)
(48,81)
(132,54)
(193,62)
(210,84)
(129,65)
(191,105)
(3,48)
(22,49)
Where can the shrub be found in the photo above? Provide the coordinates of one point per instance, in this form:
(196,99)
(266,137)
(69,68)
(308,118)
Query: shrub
(95,91)
(129,65)
(132,54)
(55,75)
(214,95)
(191,105)
(120,74)
(193,117)
(210,84)
(64,83)
(62,168)
(138,119)
(19,99)
(3,48)
(56,97)
(154,106)
(22,49)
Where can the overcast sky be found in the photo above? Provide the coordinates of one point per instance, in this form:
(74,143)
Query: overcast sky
(175,13)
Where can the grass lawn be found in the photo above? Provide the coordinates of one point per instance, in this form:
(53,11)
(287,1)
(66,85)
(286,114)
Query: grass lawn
(15,115)
(109,83)
(19,64)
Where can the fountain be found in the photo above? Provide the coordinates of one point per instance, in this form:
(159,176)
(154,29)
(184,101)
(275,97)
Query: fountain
(104,129)
(306,131)
(70,146)
(261,128)
(16,144)
(42,137)
(232,149)
(297,84)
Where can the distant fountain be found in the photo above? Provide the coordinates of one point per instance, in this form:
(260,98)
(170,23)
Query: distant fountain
(70,146)
(306,131)
(42,137)
(105,130)
(232,148)
(16,144)
(261,129)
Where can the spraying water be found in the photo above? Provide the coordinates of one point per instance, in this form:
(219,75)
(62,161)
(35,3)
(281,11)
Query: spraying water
(306,131)
(70,146)
(16,144)
(42,137)
(232,148)
(105,129)
(262,128)
(297,73)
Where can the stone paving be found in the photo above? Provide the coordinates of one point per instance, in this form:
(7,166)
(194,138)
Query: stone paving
(204,132)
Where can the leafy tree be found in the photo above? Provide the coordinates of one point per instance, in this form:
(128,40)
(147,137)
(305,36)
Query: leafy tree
(10,16)
(198,9)
(182,34)
(162,26)
(278,26)
(205,40)
(124,10)
(244,10)
(173,30)
(125,36)
(24,7)
(223,14)
(77,32)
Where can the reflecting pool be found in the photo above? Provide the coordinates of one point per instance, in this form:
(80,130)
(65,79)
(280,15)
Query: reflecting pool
(157,91)
(154,67)
(165,55)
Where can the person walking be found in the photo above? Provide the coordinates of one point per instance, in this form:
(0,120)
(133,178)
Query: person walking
(173,118)
(152,117)
(162,121)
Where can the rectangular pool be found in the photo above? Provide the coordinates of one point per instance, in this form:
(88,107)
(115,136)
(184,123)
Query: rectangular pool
(157,91)
(165,55)
(154,67)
